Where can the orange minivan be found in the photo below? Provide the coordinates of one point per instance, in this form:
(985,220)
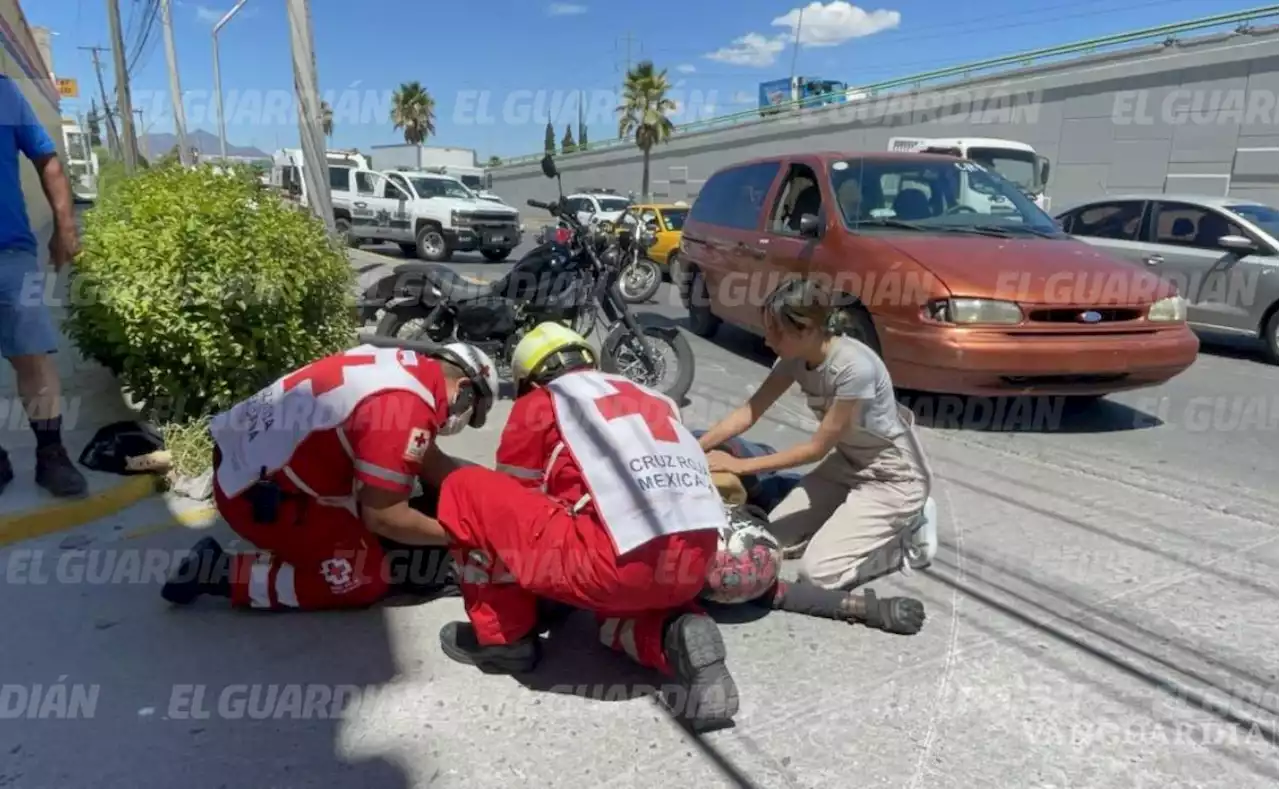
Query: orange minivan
(949,271)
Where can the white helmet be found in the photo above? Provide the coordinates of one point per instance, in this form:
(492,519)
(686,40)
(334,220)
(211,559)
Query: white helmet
(482,373)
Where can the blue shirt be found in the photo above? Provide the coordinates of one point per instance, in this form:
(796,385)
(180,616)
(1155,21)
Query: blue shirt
(20,131)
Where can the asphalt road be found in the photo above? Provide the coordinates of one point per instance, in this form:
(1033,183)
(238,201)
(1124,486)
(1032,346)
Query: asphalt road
(1103,613)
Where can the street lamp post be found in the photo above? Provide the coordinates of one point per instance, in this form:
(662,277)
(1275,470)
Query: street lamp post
(217,76)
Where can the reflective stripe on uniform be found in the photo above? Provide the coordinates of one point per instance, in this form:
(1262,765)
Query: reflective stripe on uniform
(379,472)
(272,584)
(521,473)
(476,570)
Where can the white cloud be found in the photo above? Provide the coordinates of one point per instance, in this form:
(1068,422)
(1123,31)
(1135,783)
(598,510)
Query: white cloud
(211,16)
(566,9)
(835,23)
(686,68)
(752,49)
(744,97)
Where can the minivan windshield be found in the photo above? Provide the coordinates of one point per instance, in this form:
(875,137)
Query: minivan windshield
(1263,216)
(934,195)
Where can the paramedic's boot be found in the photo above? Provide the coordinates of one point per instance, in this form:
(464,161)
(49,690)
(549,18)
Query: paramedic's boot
(696,653)
(458,640)
(552,614)
(205,570)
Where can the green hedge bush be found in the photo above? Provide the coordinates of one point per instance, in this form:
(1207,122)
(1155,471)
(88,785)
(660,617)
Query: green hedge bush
(198,288)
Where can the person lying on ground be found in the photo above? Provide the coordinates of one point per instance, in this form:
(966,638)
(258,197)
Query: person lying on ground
(317,469)
(853,517)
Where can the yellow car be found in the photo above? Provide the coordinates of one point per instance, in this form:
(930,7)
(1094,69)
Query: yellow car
(670,222)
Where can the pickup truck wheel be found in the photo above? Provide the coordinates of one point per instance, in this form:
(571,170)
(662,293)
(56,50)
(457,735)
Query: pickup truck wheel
(1269,337)
(342,226)
(432,245)
(495,255)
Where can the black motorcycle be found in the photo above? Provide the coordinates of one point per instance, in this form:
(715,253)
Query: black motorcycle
(572,277)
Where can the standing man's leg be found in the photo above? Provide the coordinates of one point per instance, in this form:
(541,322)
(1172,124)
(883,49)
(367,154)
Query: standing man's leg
(29,340)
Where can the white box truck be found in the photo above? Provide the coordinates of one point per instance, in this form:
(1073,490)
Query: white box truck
(457,163)
(1016,161)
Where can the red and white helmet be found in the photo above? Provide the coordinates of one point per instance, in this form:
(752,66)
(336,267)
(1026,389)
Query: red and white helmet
(747,562)
(482,373)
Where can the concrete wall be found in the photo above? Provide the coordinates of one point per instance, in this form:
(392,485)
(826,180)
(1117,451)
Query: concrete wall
(1199,116)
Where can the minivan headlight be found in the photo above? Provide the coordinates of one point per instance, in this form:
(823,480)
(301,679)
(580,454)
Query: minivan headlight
(1170,310)
(974,311)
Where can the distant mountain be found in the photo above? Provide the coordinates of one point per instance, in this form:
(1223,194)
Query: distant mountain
(203,141)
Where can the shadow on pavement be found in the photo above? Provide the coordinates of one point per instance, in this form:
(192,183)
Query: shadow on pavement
(1233,346)
(202,696)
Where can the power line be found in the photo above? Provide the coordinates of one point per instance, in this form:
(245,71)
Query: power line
(151,14)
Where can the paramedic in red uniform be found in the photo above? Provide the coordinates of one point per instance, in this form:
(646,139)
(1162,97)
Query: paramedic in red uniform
(602,501)
(317,469)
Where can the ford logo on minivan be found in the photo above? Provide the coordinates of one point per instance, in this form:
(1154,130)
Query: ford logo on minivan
(1091,316)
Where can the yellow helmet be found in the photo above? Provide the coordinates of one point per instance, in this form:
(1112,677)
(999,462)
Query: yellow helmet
(548,350)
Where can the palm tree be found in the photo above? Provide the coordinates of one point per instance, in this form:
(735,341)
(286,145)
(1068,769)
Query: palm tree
(413,110)
(643,112)
(326,119)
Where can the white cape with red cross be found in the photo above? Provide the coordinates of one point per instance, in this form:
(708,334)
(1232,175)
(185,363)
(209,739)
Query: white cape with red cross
(265,430)
(648,476)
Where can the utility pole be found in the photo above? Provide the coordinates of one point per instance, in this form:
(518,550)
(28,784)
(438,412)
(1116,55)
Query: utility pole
(315,169)
(629,39)
(795,51)
(146,148)
(113,140)
(217,76)
(175,86)
(125,107)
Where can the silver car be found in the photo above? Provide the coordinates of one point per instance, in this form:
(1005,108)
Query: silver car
(1220,252)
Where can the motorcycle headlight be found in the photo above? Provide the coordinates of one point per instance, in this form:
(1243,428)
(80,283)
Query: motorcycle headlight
(967,312)
(1170,310)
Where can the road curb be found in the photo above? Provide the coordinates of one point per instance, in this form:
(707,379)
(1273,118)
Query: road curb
(63,515)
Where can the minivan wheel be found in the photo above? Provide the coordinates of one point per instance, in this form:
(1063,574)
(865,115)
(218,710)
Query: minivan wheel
(859,326)
(702,321)
(1269,337)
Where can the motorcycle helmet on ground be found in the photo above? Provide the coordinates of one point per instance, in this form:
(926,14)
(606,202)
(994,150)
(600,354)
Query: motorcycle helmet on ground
(473,403)
(748,559)
(547,351)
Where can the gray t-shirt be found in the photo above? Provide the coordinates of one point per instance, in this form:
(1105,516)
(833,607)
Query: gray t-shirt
(852,371)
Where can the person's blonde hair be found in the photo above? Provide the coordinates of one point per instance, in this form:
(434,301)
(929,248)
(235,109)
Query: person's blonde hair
(802,305)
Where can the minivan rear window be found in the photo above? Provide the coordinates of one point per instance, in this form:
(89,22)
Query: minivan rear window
(735,197)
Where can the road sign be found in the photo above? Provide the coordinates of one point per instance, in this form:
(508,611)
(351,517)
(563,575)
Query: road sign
(68,89)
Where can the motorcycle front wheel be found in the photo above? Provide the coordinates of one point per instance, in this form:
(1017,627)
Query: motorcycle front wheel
(673,375)
(639,280)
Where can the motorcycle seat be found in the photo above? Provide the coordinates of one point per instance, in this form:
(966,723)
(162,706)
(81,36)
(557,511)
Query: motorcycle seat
(454,286)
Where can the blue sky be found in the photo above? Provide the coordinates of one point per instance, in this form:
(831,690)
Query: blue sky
(498,67)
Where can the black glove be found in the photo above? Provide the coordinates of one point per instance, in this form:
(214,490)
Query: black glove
(901,615)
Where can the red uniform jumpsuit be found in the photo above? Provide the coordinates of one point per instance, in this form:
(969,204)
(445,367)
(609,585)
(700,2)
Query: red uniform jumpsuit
(517,543)
(319,556)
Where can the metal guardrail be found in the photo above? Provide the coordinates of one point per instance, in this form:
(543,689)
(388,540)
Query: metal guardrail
(1021,59)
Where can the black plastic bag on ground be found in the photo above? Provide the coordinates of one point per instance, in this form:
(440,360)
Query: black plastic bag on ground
(112,446)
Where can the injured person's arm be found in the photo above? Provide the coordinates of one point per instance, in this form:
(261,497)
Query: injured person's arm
(388,514)
(901,615)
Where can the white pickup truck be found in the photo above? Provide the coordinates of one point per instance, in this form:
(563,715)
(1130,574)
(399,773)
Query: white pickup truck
(1016,161)
(428,215)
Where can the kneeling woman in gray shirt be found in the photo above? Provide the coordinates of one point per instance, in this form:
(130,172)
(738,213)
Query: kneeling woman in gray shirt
(860,507)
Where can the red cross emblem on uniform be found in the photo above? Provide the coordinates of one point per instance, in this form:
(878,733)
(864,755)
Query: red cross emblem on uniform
(327,374)
(631,400)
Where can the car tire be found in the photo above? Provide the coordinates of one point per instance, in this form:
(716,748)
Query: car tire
(702,321)
(342,226)
(1269,337)
(859,326)
(432,245)
(675,272)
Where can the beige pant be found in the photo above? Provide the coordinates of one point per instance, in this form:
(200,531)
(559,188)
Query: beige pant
(854,510)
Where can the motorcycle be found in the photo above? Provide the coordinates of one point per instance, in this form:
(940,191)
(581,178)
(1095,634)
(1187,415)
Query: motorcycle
(571,278)
(640,276)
